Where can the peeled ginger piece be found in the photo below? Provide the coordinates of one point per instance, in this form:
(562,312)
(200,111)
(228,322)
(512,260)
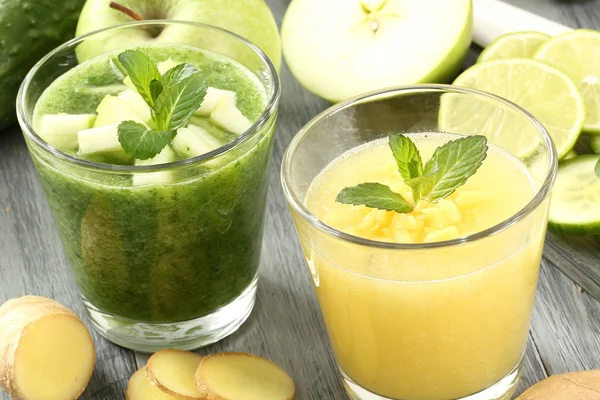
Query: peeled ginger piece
(242,376)
(141,388)
(46,352)
(173,372)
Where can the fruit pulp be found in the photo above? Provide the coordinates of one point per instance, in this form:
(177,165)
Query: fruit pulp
(426,323)
(163,252)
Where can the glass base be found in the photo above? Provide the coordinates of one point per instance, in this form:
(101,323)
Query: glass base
(185,335)
(501,390)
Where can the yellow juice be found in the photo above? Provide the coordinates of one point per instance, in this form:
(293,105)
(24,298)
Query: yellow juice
(425,321)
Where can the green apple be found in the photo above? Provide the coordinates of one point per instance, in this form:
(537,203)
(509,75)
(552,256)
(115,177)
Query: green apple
(341,48)
(251,19)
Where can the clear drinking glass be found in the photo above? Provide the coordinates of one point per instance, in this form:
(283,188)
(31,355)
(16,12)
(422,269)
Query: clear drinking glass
(431,321)
(160,264)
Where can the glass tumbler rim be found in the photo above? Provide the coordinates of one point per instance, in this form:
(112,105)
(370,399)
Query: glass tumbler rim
(262,121)
(298,204)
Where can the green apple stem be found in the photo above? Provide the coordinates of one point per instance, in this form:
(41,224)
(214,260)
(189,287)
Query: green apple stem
(126,10)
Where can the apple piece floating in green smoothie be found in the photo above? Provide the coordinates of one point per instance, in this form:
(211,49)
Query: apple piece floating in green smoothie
(194,141)
(104,139)
(213,97)
(60,130)
(136,103)
(229,117)
(167,155)
(114,110)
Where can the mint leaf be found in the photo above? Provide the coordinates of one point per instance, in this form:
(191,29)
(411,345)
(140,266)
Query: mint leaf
(407,158)
(597,169)
(450,167)
(142,72)
(176,104)
(140,142)
(156,88)
(374,195)
(177,74)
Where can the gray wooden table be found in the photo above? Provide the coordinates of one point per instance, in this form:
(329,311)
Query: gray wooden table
(286,325)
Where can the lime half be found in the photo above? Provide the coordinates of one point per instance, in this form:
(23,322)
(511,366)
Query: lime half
(544,91)
(577,54)
(514,45)
(575,198)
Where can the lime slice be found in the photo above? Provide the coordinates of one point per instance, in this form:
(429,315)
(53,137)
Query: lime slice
(595,144)
(577,54)
(514,45)
(575,198)
(544,91)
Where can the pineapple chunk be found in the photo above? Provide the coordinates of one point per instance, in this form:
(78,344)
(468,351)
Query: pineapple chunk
(213,97)
(60,130)
(440,235)
(167,155)
(228,117)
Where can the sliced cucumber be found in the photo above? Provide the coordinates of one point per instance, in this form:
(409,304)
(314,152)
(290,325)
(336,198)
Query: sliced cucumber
(575,205)
(595,144)
(113,110)
(136,103)
(104,139)
(212,98)
(167,155)
(60,130)
(228,117)
(194,141)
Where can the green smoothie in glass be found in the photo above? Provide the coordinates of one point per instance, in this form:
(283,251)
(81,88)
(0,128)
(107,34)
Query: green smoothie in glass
(164,246)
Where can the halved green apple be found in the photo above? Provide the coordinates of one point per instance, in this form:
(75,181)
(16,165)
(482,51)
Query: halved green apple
(341,48)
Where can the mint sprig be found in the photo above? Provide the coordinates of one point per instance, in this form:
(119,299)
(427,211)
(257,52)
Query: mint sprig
(448,168)
(597,168)
(172,97)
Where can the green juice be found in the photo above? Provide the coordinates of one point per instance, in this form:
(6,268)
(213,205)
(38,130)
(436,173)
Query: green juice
(165,251)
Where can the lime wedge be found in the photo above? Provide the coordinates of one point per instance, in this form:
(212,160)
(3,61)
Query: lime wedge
(544,91)
(577,54)
(514,45)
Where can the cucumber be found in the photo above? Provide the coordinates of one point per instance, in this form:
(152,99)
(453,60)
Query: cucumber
(113,110)
(136,103)
(104,139)
(60,130)
(212,98)
(167,155)
(575,205)
(194,141)
(228,117)
(595,144)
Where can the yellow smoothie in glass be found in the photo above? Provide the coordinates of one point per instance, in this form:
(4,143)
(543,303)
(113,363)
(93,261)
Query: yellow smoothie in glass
(433,323)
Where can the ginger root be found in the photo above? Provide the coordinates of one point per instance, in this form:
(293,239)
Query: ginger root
(583,385)
(46,352)
(242,376)
(173,371)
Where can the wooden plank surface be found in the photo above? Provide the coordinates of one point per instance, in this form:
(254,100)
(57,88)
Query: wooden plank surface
(286,325)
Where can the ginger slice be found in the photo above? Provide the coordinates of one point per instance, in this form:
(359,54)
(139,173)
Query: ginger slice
(173,371)
(141,388)
(582,385)
(46,352)
(242,376)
